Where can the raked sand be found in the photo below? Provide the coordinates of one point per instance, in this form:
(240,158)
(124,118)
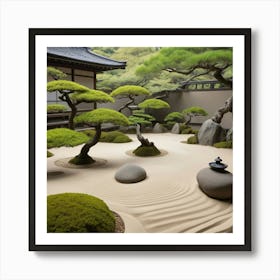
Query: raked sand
(168,200)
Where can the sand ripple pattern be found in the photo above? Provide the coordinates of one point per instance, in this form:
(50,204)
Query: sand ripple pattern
(168,201)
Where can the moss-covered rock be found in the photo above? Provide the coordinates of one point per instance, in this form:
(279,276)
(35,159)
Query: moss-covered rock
(224,144)
(146,151)
(49,154)
(192,140)
(77,212)
(82,161)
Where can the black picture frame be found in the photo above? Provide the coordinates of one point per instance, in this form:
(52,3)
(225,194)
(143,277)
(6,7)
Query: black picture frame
(246,33)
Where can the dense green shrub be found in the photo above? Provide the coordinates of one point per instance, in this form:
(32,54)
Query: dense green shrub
(188,130)
(59,137)
(174,117)
(109,137)
(192,140)
(224,144)
(146,151)
(56,108)
(49,154)
(77,212)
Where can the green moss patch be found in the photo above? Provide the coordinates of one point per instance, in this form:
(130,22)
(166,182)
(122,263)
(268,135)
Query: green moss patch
(225,144)
(82,161)
(49,154)
(109,137)
(77,212)
(192,140)
(146,151)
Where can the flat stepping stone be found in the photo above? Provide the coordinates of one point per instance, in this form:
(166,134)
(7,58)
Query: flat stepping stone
(215,184)
(130,173)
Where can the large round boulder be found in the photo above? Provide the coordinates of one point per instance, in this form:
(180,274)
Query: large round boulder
(211,133)
(130,173)
(215,184)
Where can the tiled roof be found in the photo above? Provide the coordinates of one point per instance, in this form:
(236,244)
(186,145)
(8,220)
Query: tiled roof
(81,58)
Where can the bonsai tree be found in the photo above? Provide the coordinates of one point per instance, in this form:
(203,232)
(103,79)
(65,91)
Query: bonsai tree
(148,148)
(74,94)
(129,92)
(65,88)
(193,112)
(95,118)
(141,118)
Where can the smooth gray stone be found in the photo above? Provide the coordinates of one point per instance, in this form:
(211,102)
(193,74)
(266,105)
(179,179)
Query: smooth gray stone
(130,173)
(215,184)
(158,128)
(211,132)
(229,135)
(176,128)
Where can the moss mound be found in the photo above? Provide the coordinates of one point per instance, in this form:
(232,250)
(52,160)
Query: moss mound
(77,212)
(81,161)
(146,151)
(225,144)
(49,154)
(110,137)
(192,140)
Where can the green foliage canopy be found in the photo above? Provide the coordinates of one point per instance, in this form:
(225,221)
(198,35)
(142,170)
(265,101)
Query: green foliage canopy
(91,96)
(174,117)
(55,73)
(59,137)
(56,108)
(102,115)
(194,111)
(65,86)
(153,103)
(129,90)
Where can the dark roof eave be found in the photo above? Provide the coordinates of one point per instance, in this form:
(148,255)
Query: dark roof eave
(76,64)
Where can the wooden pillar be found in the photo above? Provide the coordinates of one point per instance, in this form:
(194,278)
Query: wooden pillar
(72,75)
(94,80)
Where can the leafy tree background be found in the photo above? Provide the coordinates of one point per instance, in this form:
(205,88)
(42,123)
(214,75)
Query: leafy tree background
(163,69)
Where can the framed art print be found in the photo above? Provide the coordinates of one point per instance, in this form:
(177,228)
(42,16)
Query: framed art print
(140,139)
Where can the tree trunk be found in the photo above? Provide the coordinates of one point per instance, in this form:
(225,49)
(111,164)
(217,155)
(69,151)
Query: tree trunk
(73,112)
(143,141)
(221,79)
(188,121)
(85,149)
(221,111)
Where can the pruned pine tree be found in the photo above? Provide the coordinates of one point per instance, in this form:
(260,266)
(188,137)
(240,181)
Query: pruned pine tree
(96,118)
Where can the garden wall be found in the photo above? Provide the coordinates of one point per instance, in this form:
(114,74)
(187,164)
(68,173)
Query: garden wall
(210,100)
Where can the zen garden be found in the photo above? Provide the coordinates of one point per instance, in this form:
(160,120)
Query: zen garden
(139,140)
